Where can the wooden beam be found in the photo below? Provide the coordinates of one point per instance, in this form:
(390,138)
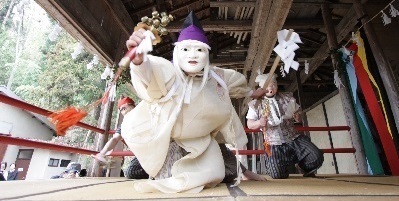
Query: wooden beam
(232,3)
(294,4)
(219,25)
(143,11)
(311,40)
(269,17)
(121,16)
(124,21)
(76,19)
(301,100)
(246,25)
(317,5)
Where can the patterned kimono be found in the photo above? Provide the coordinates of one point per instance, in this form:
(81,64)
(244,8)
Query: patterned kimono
(280,128)
(288,147)
(163,116)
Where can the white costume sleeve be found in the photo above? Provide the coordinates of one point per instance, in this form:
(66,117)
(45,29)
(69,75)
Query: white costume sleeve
(236,83)
(252,114)
(153,79)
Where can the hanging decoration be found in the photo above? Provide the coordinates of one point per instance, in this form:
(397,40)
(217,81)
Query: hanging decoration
(282,71)
(355,39)
(107,73)
(385,19)
(306,67)
(392,11)
(346,61)
(93,62)
(337,79)
(55,33)
(375,105)
(285,49)
(78,49)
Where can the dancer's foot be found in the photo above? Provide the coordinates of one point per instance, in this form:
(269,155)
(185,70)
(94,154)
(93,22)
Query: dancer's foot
(310,173)
(253,176)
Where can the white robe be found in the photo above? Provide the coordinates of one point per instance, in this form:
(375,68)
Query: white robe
(163,116)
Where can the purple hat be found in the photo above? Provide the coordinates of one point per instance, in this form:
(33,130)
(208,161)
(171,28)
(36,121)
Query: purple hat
(192,30)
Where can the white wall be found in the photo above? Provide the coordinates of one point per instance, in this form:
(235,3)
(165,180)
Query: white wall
(22,124)
(341,139)
(39,168)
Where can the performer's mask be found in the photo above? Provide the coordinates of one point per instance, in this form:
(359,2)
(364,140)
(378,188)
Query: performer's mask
(192,56)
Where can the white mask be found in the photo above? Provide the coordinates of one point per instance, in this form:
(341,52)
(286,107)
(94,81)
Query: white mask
(192,57)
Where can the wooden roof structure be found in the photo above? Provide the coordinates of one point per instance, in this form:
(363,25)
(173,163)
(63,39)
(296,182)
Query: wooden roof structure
(242,33)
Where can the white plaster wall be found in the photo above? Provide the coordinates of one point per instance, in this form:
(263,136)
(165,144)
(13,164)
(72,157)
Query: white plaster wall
(39,168)
(37,164)
(51,171)
(341,139)
(23,124)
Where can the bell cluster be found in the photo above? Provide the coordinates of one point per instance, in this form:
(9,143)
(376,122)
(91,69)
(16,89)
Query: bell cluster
(158,22)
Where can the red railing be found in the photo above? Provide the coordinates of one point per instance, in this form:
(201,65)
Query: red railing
(43,145)
(26,106)
(4,139)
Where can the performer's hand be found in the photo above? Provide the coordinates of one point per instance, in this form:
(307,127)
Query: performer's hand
(262,122)
(297,117)
(258,93)
(99,157)
(134,41)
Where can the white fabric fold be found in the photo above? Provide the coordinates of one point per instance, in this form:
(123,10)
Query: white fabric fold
(219,79)
(189,88)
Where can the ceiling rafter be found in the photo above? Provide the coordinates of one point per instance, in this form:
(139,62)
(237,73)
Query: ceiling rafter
(343,29)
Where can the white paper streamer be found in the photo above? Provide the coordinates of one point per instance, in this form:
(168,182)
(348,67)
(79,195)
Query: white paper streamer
(282,71)
(112,93)
(107,72)
(78,49)
(55,33)
(285,49)
(393,11)
(385,19)
(337,80)
(306,67)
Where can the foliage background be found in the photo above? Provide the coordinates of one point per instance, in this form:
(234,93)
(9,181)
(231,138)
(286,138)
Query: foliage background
(45,74)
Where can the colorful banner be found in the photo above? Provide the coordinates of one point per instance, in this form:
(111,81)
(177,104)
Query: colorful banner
(374,107)
(369,146)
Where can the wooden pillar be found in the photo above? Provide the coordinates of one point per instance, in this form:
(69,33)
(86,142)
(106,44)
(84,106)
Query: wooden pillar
(105,122)
(346,100)
(115,170)
(383,64)
(301,101)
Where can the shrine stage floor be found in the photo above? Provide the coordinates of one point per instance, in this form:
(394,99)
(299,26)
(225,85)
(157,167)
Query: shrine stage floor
(296,188)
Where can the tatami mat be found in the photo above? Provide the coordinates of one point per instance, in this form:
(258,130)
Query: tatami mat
(298,188)
(324,186)
(93,189)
